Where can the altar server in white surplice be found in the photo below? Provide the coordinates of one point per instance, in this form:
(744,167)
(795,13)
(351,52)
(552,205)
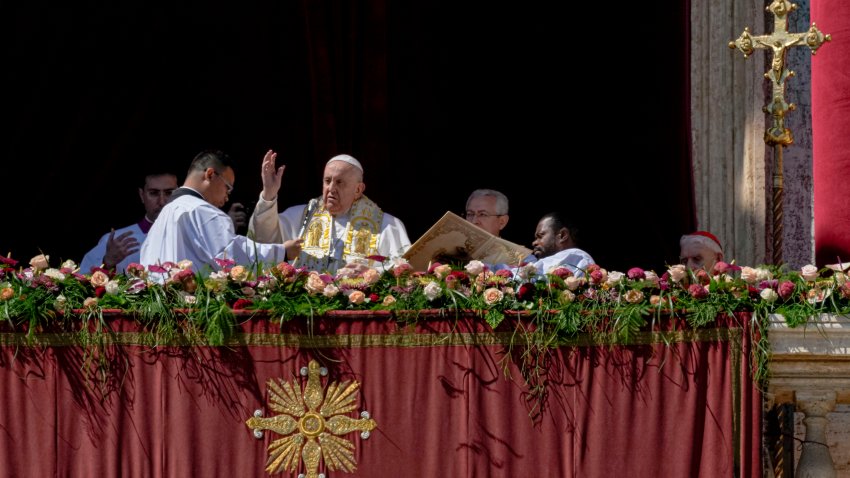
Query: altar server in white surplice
(193,227)
(555,245)
(340,227)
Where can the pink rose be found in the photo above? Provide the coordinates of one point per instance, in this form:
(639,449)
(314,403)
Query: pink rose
(750,275)
(39,262)
(89,303)
(284,270)
(504,273)
(136,270)
(401,269)
(636,273)
(651,277)
(721,267)
(561,272)
(786,289)
(492,295)
(596,277)
(655,300)
(356,297)
(99,278)
(315,284)
(633,296)
(442,270)
(239,273)
(697,291)
(371,276)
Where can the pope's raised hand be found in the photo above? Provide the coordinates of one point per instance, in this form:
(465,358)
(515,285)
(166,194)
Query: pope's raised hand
(271,176)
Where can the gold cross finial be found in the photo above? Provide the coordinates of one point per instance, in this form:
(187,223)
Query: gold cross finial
(777,135)
(778,42)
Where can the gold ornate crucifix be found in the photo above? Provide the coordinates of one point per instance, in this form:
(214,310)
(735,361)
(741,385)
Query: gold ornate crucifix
(777,135)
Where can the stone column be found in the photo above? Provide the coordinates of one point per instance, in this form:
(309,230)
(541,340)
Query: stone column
(815,460)
(727,129)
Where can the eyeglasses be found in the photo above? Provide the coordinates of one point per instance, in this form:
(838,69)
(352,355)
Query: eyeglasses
(226,184)
(470,215)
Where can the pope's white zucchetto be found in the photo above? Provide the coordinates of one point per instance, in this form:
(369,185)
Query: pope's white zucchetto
(347,159)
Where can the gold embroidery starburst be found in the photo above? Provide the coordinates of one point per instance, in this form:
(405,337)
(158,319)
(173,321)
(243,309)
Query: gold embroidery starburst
(312,424)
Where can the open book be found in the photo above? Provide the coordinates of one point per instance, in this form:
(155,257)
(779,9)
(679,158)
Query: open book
(453,235)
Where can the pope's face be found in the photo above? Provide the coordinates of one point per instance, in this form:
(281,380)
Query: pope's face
(341,186)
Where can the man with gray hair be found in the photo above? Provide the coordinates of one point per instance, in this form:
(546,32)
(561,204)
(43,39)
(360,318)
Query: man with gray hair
(488,209)
(339,227)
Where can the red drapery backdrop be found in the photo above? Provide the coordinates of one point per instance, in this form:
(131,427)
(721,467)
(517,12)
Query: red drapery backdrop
(830,124)
(675,403)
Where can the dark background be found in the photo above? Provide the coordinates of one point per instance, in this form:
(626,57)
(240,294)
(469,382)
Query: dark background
(579,107)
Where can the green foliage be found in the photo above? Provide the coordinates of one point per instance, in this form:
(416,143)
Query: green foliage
(174,303)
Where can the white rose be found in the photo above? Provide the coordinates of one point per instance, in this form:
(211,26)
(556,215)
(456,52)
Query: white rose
(614,277)
(809,272)
(769,295)
(474,268)
(651,276)
(764,274)
(527,271)
(573,282)
(677,272)
(113,287)
(432,290)
(54,274)
(330,290)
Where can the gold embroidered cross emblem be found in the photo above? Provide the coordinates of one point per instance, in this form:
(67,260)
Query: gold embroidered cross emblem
(312,424)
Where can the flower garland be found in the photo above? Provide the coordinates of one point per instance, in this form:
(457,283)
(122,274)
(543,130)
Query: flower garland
(611,304)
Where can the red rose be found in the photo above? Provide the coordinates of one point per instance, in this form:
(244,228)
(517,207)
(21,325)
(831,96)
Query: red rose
(525,292)
(241,304)
(373,297)
(99,291)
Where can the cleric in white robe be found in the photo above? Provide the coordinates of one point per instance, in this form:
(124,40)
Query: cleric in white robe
(340,227)
(555,246)
(193,227)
